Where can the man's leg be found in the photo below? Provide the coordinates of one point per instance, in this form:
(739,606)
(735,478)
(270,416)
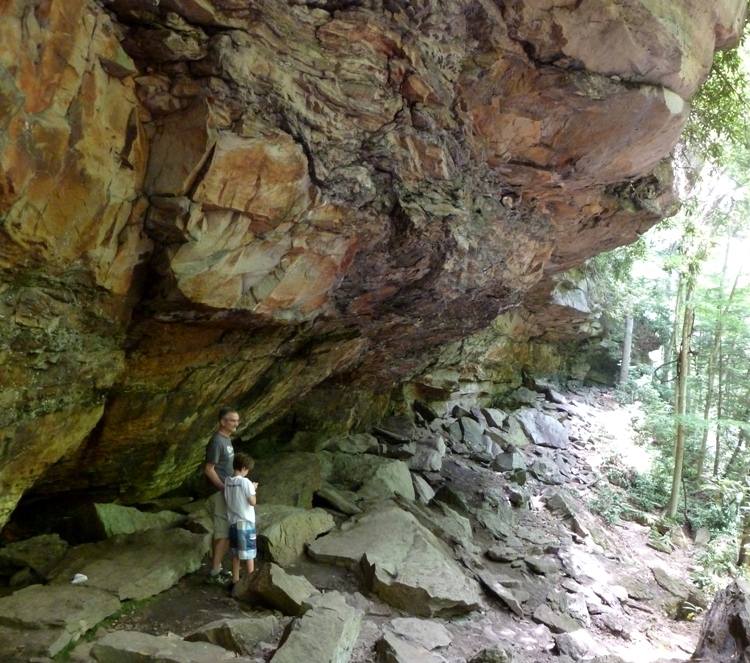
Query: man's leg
(221,531)
(220,548)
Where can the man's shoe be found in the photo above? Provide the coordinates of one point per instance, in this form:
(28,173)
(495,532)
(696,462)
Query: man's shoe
(221,578)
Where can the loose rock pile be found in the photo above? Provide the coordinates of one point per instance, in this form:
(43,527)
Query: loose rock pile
(461,533)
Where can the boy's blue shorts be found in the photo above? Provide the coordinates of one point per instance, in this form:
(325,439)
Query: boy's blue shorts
(242,540)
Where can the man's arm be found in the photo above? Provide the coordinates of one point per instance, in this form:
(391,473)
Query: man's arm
(209,469)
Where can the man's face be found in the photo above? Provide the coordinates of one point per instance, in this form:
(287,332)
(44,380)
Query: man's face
(230,422)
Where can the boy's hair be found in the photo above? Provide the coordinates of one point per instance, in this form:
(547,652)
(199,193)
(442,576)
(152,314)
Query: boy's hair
(225,411)
(242,462)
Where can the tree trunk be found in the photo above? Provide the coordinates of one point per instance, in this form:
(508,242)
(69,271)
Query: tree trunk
(717,452)
(626,347)
(711,369)
(743,559)
(735,454)
(683,370)
(669,352)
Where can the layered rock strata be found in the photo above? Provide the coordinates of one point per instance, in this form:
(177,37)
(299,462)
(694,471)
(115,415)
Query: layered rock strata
(207,202)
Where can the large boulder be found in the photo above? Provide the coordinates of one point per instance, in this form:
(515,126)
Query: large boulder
(96,522)
(283,531)
(125,646)
(325,633)
(42,620)
(240,636)
(40,553)
(394,649)
(135,566)
(542,429)
(273,587)
(404,563)
(290,479)
(372,477)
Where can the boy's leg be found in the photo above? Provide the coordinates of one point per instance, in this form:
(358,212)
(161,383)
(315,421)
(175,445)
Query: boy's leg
(235,568)
(250,566)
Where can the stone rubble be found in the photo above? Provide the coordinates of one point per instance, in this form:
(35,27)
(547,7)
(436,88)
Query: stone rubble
(463,549)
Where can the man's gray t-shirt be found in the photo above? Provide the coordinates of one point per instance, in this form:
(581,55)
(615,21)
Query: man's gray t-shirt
(220,452)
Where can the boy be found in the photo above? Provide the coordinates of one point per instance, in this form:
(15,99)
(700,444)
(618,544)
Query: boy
(239,493)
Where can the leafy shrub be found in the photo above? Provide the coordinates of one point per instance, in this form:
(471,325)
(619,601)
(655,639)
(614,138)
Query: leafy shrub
(645,491)
(716,563)
(607,503)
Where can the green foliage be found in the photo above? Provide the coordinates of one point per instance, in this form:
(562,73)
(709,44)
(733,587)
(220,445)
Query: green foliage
(607,503)
(608,276)
(646,492)
(716,563)
(716,505)
(720,112)
(126,608)
(657,425)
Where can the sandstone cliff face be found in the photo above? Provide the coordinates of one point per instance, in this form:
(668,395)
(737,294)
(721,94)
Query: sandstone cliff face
(211,201)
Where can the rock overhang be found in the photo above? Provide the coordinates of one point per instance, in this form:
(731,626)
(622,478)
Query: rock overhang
(273,196)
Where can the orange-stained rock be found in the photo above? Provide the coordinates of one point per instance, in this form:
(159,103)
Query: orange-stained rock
(281,208)
(264,177)
(74,154)
(663,43)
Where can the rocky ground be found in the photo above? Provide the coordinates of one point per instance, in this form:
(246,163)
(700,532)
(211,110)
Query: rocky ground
(488,547)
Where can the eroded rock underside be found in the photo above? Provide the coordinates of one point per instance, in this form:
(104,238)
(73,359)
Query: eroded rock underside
(293,207)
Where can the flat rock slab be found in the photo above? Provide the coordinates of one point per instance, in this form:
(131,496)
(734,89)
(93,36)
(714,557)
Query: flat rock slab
(398,428)
(41,620)
(136,647)
(393,649)
(674,586)
(512,598)
(285,530)
(441,520)
(338,500)
(273,587)
(557,622)
(421,632)
(326,633)
(422,490)
(378,478)
(493,655)
(289,478)
(39,553)
(240,636)
(97,522)
(135,566)
(579,645)
(406,565)
(542,429)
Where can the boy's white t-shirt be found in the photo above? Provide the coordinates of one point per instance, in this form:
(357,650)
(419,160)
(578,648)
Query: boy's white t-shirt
(236,492)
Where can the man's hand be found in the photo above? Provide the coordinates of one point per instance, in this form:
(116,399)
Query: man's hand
(210,471)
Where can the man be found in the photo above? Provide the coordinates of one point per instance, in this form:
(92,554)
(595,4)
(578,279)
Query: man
(219,459)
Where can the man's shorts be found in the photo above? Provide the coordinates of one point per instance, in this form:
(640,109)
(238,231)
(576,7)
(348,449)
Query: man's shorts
(217,506)
(242,540)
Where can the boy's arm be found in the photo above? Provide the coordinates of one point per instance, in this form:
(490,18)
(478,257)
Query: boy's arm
(251,498)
